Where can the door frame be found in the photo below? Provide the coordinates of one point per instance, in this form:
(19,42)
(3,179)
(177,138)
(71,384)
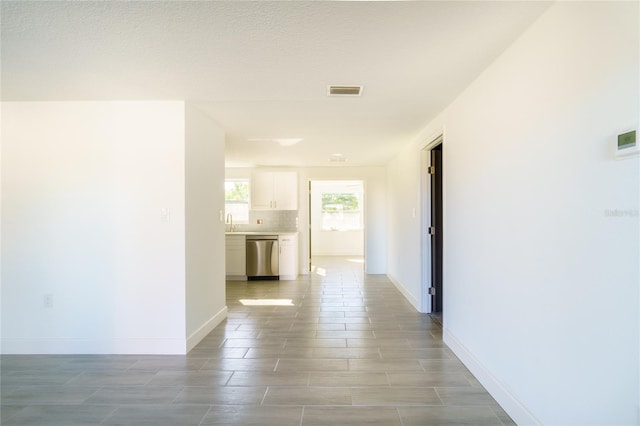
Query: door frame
(425,217)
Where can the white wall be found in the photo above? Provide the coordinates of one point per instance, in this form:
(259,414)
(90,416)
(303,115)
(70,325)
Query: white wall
(94,196)
(205,280)
(374,179)
(541,284)
(404,230)
(83,184)
(332,243)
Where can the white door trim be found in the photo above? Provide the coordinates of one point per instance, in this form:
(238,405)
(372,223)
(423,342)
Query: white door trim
(425,219)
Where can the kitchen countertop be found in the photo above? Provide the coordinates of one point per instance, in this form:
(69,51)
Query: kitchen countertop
(260,233)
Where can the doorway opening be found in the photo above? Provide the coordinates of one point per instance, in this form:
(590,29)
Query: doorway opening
(336,222)
(432,229)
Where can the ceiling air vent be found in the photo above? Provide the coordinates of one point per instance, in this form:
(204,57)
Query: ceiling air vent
(345,91)
(337,158)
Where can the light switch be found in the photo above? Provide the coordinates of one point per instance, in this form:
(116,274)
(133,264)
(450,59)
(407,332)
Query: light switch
(165,214)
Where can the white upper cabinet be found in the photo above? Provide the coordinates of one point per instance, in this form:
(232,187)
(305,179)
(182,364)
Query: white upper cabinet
(274,191)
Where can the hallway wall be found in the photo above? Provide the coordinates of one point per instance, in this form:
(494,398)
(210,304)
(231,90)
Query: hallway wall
(96,205)
(541,275)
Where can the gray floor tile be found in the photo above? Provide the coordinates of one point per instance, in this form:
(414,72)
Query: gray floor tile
(348,378)
(161,415)
(286,352)
(379,343)
(346,353)
(465,396)
(350,416)
(60,415)
(112,378)
(317,343)
(49,395)
(31,363)
(252,343)
(443,416)
(250,416)
(362,334)
(8,411)
(381,365)
(395,396)
(98,362)
(171,363)
(443,366)
(139,395)
(191,378)
(225,364)
(308,396)
(428,379)
(222,395)
(37,377)
(434,353)
(312,365)
(244,378)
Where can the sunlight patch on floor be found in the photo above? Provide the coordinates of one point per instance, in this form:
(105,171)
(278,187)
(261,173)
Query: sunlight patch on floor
(319,271)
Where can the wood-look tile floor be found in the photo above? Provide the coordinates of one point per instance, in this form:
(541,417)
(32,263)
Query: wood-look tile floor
(337,347)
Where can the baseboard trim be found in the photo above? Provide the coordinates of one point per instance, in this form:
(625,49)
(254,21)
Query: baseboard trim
(66,346)
(136,346)
(406,293)
(500,391)
(206,328)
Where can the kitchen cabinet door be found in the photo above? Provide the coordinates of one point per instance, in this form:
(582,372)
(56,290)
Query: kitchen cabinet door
(261,191)
(274,191)
(235,256)
(285,190)
(288,256)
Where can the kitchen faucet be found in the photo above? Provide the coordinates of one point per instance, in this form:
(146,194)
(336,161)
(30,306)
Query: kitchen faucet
(229,220)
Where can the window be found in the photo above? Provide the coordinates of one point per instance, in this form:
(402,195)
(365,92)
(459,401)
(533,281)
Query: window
(236,199)
(341,211)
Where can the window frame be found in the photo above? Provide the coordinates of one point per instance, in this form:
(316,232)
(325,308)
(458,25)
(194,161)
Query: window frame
(238,220)
(358,211)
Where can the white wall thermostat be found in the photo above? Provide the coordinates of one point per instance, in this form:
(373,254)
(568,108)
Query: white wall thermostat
(627,145)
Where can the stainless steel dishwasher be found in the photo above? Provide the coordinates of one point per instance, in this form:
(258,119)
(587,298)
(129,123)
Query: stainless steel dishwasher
(262,257)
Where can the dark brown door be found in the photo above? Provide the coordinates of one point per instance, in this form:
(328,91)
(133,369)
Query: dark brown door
(436,230)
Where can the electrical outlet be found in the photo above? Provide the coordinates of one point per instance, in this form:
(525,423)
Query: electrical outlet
(48,300)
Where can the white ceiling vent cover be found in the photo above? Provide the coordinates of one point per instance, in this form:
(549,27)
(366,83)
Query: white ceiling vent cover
(337,158)
(344,91)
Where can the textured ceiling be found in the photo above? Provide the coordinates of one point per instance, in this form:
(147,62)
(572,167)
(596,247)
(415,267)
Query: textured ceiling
(261,69)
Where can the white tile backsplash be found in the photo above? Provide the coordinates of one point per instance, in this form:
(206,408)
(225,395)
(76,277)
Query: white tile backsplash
(272,220)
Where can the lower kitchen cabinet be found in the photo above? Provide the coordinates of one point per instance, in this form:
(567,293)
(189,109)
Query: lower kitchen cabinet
(235,257)
(288,262)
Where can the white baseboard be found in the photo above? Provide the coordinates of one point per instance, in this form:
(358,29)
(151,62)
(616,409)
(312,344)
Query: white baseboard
(136,346)
(236,278)
(406,293)
(500,391)
(66,346)
(206,328)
